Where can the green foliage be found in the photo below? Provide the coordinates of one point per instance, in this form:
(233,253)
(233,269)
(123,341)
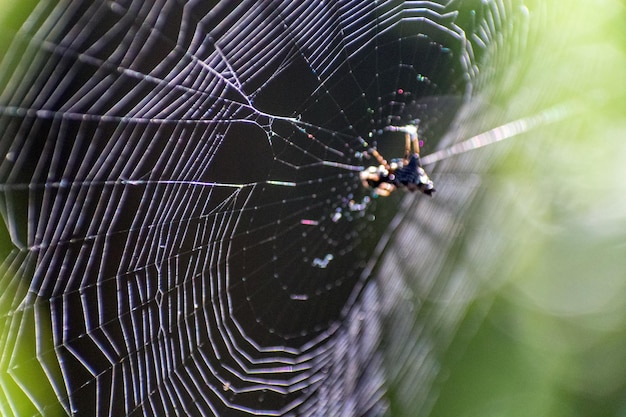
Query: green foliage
(554,340)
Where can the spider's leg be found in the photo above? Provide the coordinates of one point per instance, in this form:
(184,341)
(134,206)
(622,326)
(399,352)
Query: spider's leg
(380,159)
(407,145)
(416,143)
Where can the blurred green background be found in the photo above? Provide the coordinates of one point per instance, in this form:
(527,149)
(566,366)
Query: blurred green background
(553,340)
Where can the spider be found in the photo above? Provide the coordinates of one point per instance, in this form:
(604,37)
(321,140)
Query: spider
(407,172)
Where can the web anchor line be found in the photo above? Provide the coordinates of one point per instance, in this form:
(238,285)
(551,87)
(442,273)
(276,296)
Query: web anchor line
(498,134)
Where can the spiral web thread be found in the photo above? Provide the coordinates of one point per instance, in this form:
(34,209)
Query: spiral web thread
(180,186)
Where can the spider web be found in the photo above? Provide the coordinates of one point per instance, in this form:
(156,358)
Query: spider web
(180,185)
